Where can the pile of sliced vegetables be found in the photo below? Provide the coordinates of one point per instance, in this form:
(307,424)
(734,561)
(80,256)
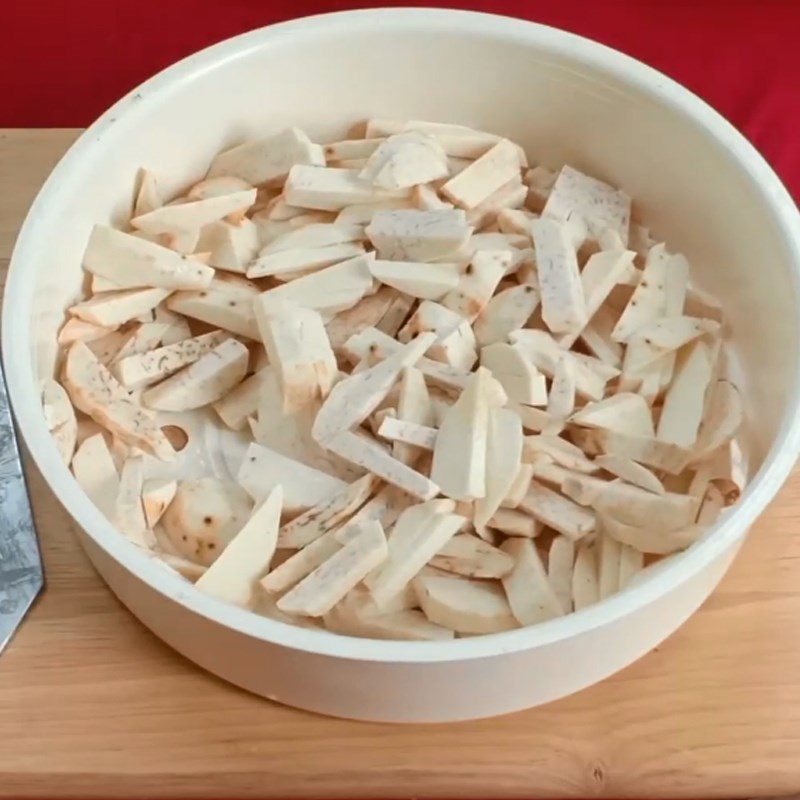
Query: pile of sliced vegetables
(475,395)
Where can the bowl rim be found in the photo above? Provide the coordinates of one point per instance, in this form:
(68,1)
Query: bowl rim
(726,533)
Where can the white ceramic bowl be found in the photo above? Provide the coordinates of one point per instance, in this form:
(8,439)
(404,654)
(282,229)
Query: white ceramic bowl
(695,180)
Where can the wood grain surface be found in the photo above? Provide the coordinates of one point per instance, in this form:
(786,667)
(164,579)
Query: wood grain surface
(93,705)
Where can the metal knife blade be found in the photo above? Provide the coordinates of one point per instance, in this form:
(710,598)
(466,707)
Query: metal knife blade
(21,574)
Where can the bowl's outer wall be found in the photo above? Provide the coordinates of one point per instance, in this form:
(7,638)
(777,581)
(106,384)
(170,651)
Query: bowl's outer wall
(565,100)
(391,692)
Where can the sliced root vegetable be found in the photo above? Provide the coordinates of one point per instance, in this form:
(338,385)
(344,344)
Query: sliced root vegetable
(316,235)
(722,419)
(270,159)
(516,222)
(665,335)
(455,341)
(515,523)
(206,381)
(385,507)
(289,433)
(561,397)
(418,535)
(651,540)
(128,510)
(223,304)
(478,283)
(518,376)
(545,353)
(194,214)
(711,507)
(545,470)
(405,160)
(464,606)
(631,563)
(507,311)
(416,278)
(111,309)
(372,457)
(330,290)
(130,261)
(563,302)
(599,205)
(150,367)
(631,472)
(241,402)
(412,235)
(398,311)
(94,390)
(540,181)
(157,494)
(217,187)
(140,339)
(529,593)
(148,198)
(352,148)
(485,175)
(299,262)
(558,512)
(327,515)
(536,419)
(409,433)
(426,199)
(630,503)
(626,413)
(235,573)
(300,564)
(596,336)
(472,557)
(303,487)
(96,474)
(78,330)
(608,556)
(367,313)
(511,194)
(503,460)
(332,189)
(231,246)
(519,486)
(684,402)
(414,406)
(560,566)
(500,241)
(602,272)
(585,578)
(298,347)
(204,516)
(560,450)
(60,418)
(362,213)
(459,457)
(318,592)
(353,399)
(646,450)
(648,302)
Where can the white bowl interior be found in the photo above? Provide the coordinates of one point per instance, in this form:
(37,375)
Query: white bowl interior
(563,99)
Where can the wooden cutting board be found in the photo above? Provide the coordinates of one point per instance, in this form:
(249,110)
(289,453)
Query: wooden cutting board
(93,705)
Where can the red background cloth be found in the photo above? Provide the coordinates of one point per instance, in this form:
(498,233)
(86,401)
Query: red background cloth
(64,61)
